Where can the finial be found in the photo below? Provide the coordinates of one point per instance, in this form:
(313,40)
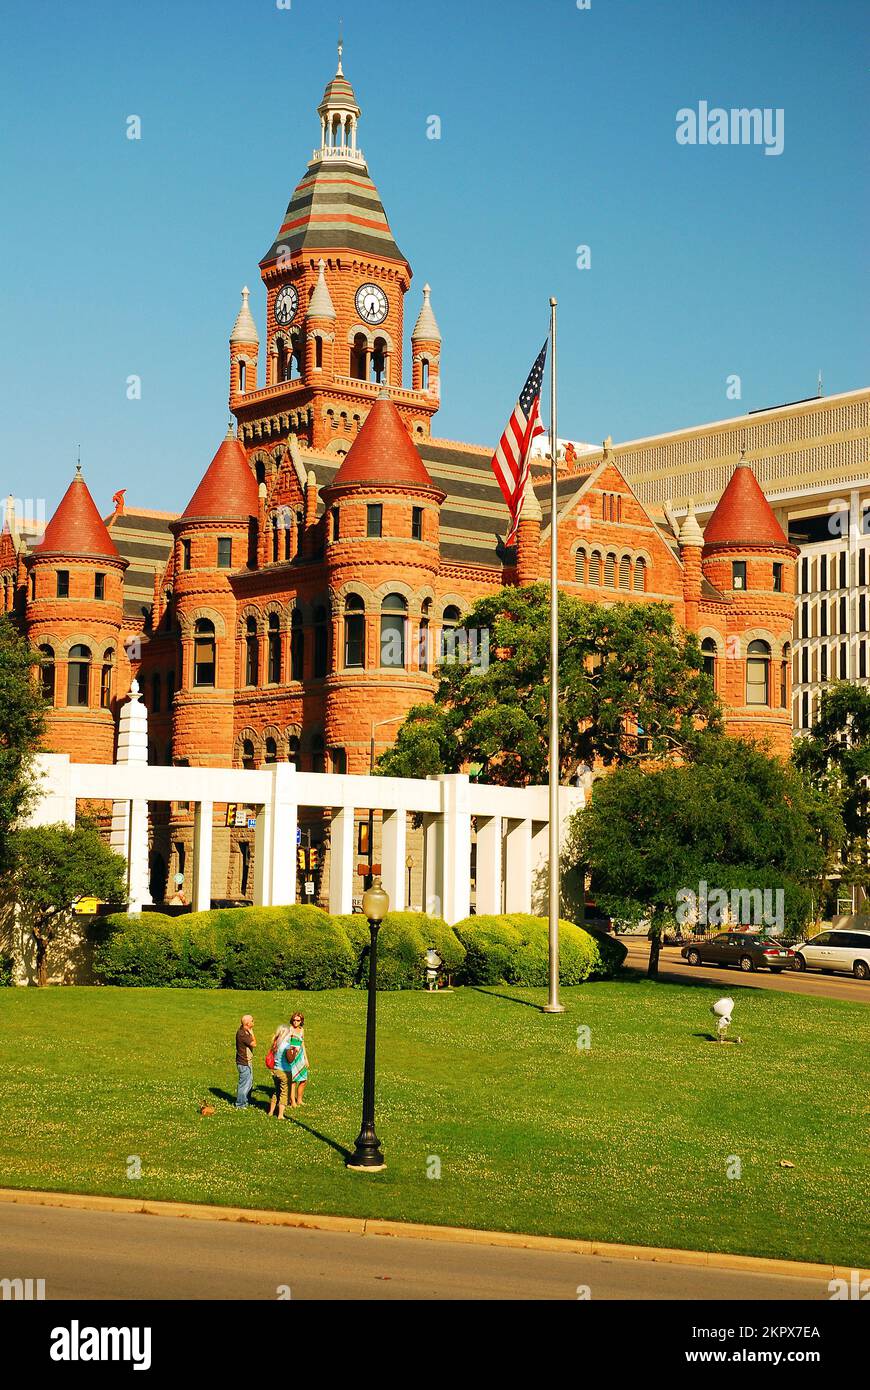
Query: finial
(340,72)
(79,462)
(230,431)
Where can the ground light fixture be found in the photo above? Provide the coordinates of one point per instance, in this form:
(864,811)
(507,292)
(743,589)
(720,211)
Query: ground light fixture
(367,1156)
(433,968)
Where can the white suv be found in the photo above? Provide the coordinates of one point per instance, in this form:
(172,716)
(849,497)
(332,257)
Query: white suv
(848,951)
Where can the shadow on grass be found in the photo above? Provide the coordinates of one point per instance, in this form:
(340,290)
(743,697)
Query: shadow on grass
(496,994)
(640,977)
(324,1138)
(230,1097)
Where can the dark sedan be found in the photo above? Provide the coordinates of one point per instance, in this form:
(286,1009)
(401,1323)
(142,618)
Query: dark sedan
(746,950)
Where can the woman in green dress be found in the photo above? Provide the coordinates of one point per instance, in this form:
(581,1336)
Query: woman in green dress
(299,1064)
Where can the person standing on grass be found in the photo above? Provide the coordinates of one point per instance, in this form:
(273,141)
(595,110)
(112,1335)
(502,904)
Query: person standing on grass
(245,1044)
(299,1064)
(281,1064)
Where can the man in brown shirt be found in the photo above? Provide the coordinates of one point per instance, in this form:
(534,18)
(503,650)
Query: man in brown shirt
(245,1044)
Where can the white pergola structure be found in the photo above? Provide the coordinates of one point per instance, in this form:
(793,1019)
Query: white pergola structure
(511,823)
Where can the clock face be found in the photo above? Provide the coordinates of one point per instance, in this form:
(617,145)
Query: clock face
(372,304)
(286,304)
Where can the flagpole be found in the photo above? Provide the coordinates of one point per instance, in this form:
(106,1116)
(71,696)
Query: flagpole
(553,1006)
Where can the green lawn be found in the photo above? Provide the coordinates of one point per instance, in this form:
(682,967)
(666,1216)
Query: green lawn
(629,1141)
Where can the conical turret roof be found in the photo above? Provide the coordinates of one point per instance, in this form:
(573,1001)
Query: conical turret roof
(228,489)
(426,328)
(320,305)
(383,452)
(77,527)
(743,515)
(244,328)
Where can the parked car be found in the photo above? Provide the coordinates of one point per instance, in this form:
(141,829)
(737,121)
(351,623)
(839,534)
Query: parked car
(847,951)
(745,949)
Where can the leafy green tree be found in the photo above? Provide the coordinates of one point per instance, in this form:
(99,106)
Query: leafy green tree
(624,667)
(21,727)
(51,866)
(734,816)
(836,754)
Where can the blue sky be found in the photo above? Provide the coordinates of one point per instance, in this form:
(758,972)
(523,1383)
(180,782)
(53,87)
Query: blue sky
(126,257)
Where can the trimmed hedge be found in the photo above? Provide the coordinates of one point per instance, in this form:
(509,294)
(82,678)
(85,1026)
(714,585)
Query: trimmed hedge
(513,950)
(403,941)
(270,948)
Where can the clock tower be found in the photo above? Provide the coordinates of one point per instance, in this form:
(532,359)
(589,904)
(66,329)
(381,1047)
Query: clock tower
(335,287)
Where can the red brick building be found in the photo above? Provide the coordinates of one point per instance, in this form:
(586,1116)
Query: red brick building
(296,609)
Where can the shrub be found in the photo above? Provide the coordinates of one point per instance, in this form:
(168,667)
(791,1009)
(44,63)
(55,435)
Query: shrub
(403,941)
(278,948)
(135,950)
(7,969)
(513,949)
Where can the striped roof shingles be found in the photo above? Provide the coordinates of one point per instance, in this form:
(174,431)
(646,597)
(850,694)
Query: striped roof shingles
(335,207)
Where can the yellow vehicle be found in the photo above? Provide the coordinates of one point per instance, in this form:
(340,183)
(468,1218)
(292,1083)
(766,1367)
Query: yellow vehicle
(88,907)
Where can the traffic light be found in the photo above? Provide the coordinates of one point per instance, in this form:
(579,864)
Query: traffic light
(300,860)
(313,857)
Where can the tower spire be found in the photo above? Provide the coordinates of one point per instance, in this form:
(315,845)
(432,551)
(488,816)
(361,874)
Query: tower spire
(340,72)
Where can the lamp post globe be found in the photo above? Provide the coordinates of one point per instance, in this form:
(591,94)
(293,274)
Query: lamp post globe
(367,1155)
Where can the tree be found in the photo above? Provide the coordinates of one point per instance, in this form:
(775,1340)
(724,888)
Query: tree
(631,687)
(836,754)
(51,866)
(734,816)
(21,727)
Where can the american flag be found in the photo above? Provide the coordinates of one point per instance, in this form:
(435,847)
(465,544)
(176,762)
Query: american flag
(511,460)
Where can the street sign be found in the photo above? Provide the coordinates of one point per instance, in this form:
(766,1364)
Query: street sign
(309,887)
(252,822)
(298,836)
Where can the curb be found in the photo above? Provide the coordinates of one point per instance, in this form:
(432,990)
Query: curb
(454,1235)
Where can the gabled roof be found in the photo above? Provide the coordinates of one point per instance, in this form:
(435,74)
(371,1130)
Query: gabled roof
(383,452)
(228,489)
(77,527)
(743,514)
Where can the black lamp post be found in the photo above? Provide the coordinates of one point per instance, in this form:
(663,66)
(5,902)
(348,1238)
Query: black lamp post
(367,1155)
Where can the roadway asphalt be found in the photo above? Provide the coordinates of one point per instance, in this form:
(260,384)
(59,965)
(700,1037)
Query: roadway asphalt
(109,1255)
(673,967)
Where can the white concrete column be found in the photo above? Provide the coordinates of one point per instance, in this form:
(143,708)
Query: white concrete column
(540,867)
(202,837)
(263,856)
(129,833)
(489,875)
(341,865)
(394,842)
(456,846)
(433,886)
(285,818)
(518,866)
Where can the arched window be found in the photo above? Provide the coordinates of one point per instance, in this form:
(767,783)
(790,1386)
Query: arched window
(610,572)
(46,674)
(297,647)
(425,376)
(625,573)
(423,652)
(78,676)
(248,759)
(156,691)
(354,633)
(170,689)
(359,358)
(640,574)
(318,353)
(784,673)
(106,678)
(276,539)
(243,368)
(271,754)
(758,674)
(204,653)
(449,623)
(394,610)
(321,643)
(293,750)
(595,568)
(379,361)
(274,673)
(339,761)
(708,655)
(283,362)
(252,652)
(318,754)
(580,566)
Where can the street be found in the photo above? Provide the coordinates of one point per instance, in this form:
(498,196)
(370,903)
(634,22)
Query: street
(110,1255)
(673,967)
